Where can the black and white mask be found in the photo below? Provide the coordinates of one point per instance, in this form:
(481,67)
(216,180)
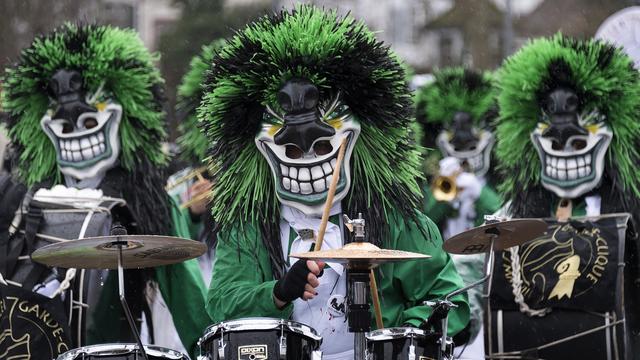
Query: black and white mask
(301,146)
(467,143)
(83,129)
(571,144)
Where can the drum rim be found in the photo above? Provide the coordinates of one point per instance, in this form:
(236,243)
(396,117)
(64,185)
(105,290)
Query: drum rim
(394,333)
(152,350)
(260,323)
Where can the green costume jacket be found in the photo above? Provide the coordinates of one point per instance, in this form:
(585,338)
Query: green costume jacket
(242,282)
(184,291)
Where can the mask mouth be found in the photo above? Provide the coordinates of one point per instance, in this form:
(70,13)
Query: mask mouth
(573,170)
(309,182)
(478,160)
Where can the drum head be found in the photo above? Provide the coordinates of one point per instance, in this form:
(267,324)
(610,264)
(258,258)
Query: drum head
(121,352)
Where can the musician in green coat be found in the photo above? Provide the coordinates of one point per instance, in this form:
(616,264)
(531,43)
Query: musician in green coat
(280,98)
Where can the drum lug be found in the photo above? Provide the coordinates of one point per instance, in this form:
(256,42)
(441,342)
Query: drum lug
(412,352)
(221,347)
(316,355)
(283,346)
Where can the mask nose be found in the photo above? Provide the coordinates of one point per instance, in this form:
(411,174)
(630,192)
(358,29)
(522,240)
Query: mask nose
(562,106)
(66,87)
(463,138)
(302,125)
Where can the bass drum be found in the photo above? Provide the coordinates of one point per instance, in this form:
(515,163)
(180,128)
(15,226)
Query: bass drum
(403,343)
(121,352)
(260,338)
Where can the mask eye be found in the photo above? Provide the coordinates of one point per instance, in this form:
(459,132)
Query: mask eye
(90,122)
(67,127)
(293,152)
(322,147)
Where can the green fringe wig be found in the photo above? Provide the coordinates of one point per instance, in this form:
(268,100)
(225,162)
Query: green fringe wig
(193,143)
(337,54)
(604,79)
(117,60)
(454,89)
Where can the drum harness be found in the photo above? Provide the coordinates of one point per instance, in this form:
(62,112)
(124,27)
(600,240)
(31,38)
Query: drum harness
(33,221)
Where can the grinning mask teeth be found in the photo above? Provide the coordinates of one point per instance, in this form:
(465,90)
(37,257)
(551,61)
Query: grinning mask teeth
(470,145)
(83,131)
(571,147)
(301,146)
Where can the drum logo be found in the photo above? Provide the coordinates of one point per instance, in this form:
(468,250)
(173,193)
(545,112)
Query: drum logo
(564,265)
(252,352)
(27,329)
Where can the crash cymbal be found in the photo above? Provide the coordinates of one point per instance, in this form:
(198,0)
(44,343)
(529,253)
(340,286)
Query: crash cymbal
(138,251)
(360,254)
(507,234)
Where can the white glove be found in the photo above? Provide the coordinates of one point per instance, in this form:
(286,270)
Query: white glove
(470,187)
(449,166)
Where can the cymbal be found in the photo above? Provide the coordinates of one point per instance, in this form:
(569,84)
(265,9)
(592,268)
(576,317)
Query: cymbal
(360,254)
(507,234)
(138,251)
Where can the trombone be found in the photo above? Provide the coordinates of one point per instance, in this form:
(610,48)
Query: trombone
(195,173)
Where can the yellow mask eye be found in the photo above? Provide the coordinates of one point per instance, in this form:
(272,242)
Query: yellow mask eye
(336,123)
(542,126)
(593,128)
(101,106)
(273,129)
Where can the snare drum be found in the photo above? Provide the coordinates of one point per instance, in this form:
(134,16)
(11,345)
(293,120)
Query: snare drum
(404,343)
(121,352)
(260,339)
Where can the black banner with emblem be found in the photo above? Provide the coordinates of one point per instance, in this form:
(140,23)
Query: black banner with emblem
(576,273)
(574,266)
(32,326)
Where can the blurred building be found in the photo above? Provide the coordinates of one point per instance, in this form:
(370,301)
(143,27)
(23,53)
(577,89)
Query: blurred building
(478,33)
(150,17)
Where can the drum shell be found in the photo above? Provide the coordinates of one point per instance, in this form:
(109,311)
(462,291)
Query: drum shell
(396,347)
(241,344)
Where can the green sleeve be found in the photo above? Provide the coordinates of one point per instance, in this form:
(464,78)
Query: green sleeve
(183,291)
(429,279)
(242,282)
(438,211)
(488,203)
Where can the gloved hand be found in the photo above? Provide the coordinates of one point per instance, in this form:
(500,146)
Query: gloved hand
(469,185)
(299,282)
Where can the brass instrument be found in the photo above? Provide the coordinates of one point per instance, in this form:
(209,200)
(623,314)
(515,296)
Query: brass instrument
(195,173)
(444,188)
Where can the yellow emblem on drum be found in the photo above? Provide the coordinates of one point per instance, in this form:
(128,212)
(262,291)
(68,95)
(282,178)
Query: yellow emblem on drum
(252,352)
(568,273)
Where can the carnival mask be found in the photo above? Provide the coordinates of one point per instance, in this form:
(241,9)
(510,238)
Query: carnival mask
(83,129)
(469,144)
(301,143)
(571,144)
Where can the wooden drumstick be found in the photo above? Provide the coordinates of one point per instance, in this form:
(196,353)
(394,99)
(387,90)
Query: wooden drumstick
(376,300)
(330,195)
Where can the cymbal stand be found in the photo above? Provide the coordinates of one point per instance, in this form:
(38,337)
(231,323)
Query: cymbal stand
(358,277)
(120,230)
(447,304)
